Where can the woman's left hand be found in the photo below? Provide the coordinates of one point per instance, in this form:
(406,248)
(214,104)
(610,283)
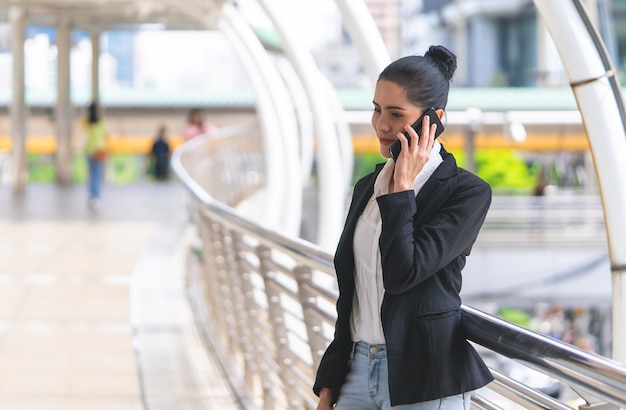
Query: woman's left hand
(413,158)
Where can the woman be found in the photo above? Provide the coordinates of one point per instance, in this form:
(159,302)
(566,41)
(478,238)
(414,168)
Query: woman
(398,337)
(96,130)
(160,155)
(196,126)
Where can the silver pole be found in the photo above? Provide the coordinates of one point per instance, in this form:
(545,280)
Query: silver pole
(601,104)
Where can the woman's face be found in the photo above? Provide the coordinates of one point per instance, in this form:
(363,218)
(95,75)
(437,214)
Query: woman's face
(196,118)
(392,111)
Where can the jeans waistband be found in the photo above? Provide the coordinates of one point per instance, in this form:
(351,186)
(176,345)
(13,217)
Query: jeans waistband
(371,351)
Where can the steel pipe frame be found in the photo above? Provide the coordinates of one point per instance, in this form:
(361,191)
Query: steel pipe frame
(284,195)
(331,193)
(364,32)
(598,95)
(303,115)
(331,130)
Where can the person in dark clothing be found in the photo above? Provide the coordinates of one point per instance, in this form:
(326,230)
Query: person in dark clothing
(160,155)
(399,340)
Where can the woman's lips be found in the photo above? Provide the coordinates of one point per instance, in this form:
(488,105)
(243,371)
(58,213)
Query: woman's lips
(386,141)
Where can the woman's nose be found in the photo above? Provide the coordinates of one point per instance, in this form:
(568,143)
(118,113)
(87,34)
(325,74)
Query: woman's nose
(381,125)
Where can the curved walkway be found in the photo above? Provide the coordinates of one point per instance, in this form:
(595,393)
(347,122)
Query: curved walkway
(93,310)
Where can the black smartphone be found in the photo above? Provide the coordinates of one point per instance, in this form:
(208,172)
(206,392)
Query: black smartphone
(396,147)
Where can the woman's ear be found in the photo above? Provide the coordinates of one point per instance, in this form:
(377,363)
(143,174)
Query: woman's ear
(443,117)
(440,113)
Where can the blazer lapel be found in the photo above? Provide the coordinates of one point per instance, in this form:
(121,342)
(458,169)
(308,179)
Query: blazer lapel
(361,195)
(428,196)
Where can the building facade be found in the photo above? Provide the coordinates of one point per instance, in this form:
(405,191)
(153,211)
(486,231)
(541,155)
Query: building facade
(502,42)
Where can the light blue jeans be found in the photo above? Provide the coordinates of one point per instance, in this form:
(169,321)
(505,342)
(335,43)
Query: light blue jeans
(96,175)
(366,386)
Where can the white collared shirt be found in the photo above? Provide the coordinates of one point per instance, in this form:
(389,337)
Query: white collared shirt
(365,323)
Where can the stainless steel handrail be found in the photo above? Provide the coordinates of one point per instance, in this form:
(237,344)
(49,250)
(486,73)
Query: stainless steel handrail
(580,369)
(272,294)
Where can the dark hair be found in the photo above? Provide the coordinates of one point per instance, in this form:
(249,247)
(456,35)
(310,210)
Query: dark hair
(192,113)
(426,79)
(93,113)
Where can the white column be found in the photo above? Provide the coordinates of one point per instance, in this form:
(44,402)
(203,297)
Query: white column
(366,36)
(95,65)
(601,105)
(284,185)
(332,189)
(63,105)
(18,108)
(592,11)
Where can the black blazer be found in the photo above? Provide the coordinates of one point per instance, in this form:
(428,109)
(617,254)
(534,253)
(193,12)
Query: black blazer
(423,245)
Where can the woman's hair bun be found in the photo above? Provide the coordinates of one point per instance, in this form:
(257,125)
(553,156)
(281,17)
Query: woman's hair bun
(444,58)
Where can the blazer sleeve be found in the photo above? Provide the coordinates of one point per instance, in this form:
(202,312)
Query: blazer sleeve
(326,371)
(411,254)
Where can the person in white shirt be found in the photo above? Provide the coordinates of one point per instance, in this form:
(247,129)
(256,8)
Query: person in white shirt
(399,341)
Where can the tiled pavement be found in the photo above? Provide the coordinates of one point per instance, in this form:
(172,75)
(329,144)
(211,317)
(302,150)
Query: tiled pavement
(93,312)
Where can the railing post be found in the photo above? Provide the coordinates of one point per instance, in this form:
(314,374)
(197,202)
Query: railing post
(277,317)
(209,271)
(238,326)
(314,325)
(217,282)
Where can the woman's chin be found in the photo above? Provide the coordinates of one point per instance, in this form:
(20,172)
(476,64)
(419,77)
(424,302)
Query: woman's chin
(384,151)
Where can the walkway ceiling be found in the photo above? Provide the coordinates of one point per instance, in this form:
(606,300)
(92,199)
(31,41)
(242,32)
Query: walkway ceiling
(110,14)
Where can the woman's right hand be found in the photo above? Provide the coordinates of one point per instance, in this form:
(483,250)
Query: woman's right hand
(326,396)
(412,158)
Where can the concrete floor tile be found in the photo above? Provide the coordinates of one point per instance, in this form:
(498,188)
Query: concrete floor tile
(33,383)
(46,402)
(104,383)
(77,331)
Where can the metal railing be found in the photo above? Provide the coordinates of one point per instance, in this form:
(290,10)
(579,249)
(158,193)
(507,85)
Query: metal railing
(266,304)
(537,221)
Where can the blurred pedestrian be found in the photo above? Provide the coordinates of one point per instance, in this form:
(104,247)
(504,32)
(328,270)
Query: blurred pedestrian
(197,126)
(95,148)
(160,155)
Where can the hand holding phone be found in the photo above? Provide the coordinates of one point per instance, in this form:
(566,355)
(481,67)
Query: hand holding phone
(396,147)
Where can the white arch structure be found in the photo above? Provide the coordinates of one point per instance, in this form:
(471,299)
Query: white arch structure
(588,66)
(594,81)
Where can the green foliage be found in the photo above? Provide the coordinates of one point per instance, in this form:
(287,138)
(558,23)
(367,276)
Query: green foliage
(121,168)
(505,170)
(80,169)
(41,168)
(365,163)
(517,316)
